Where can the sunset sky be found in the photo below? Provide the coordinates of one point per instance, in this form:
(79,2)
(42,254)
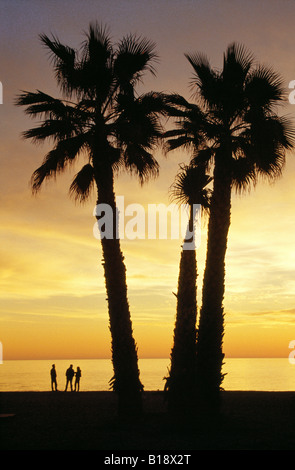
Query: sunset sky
(52,292)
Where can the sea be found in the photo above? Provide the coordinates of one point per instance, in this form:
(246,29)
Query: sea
(243,374)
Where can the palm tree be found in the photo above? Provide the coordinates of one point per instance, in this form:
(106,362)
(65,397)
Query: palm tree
(100,117)
(189,188)
(236,132)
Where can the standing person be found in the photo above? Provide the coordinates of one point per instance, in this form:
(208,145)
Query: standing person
(69,375)
(53,376)
(77,380)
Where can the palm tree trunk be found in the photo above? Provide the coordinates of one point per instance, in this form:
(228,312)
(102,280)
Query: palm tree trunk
(181,380)
(126,382)
(211,324)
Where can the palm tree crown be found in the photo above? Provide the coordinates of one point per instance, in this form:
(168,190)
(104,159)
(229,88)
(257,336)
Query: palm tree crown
(235,115)
(99,114)
(190,186)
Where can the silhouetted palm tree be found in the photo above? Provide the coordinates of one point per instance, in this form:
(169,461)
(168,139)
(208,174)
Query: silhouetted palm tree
(100,117)
(235,130)
(189,188)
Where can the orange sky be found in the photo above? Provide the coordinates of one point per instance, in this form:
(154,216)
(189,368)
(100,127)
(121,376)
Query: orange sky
(52,296)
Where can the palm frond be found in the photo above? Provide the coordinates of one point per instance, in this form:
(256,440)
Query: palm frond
(59,52)
(154,103)
(134,56)
(60,120)
(201,65)
(270,138)
(237,62)
(191,125)
(141,162)
(42,105)
(64,61)
(95,64)
(97,46)
(243,174)
(38,103)
(264,87)
(203,157)
(178,101)
(205,82)
(56,160)
(51,128)
(139,124)
(53,162)
(83,183)
(190,184)
(183,141)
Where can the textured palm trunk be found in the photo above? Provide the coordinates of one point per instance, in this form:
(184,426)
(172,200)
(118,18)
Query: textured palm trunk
(126,382)
(211,324)
(181,380)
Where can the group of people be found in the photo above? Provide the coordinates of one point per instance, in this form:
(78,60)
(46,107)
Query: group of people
(70,374)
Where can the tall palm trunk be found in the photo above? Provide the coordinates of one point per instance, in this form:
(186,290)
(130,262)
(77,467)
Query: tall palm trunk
(181,380)
(211,324)
(126,382)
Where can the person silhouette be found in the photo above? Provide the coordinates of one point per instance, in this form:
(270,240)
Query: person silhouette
(77,379)
(53,376)
(69,375)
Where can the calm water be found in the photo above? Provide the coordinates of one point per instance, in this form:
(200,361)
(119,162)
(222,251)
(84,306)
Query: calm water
(242,374)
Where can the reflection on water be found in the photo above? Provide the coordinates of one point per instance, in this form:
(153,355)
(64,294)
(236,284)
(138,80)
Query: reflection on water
(242,374)
(265,374)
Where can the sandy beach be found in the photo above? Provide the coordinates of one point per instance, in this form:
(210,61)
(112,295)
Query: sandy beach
(88,421)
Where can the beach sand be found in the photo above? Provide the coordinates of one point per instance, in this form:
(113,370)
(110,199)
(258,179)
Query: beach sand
(88,421)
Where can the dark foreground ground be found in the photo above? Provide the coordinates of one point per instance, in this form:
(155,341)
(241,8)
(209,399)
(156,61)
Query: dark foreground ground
(88,421)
